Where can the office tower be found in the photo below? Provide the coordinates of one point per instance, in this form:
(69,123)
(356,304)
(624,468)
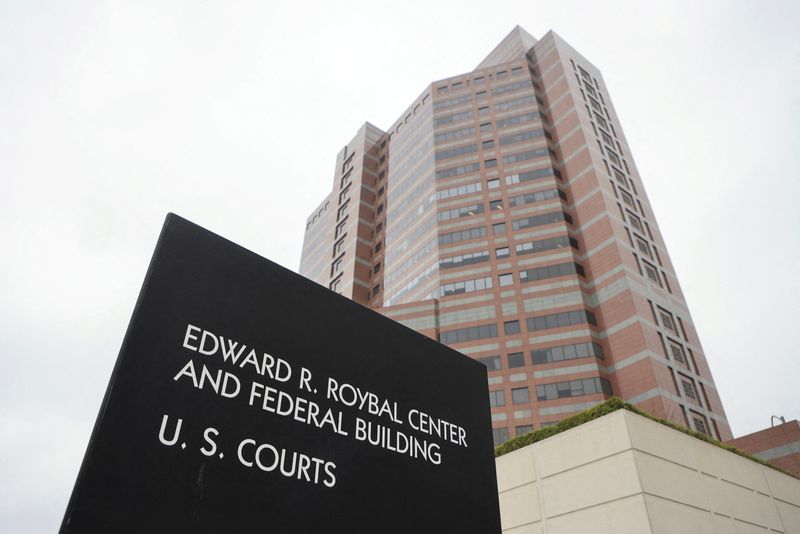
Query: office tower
(503,215)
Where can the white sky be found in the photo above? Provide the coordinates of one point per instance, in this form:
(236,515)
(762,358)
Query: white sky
(231,114)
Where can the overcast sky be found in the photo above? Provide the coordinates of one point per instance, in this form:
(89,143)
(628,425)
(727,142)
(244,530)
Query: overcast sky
(231,114)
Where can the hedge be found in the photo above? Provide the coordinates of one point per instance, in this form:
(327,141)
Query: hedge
(611,406)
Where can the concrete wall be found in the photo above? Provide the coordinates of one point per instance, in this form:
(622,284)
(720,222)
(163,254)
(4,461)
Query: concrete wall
(624,473)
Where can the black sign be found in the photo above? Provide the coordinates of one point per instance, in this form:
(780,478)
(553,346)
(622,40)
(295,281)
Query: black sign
(247,398)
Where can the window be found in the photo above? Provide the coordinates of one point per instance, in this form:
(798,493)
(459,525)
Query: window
(472,333)
(453,152)
(488,145)
(529,176)
(700,425)
(516,359)
(545,244)
(378,247)
(336,266)
(506,279)
(550,271)
(376,290)
(520,395)
(643,246)
(483,110)
(340,213)
(528,154)
(340,228)
(492,363)
(530,198)
(465,286)
(490,163)
(500,436)
(380,191)
(501,252)
(462,235)
(497,398)
(495,205)
(462,211)
(486,126)
(688,389)
(626,198)
(651,272)
(494,183)
(499,228)
(458,191)
(666,319)
(380,208)
(344,194)
(379,228)
(338,247)
(566,352)
(538,220)
(377,268)
(524,429)
(464,259)
(336,285)
(677,353)
(481,94)
(523,136)
(511,327)
(573,388)
(634,220)
(559,320)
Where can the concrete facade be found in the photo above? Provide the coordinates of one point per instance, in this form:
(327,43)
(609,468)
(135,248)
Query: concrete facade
(624,473)
(779,445)
(503,215)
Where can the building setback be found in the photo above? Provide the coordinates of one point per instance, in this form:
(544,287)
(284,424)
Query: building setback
(503,215)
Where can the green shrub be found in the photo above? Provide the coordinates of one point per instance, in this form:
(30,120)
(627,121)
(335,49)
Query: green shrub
(610,406)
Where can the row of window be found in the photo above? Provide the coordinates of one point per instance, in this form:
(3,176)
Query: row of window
(500,228)
(463,99)
(524,136)
(462,235)
(458,171)
(462,211)
(478,80)
(518,200)
(573,388)
(466,286)
(493,183)
(458,191)
(542,322)
(507,279)
(518,396)
(559,353)
(528,154)
(453,152)
(551,271)
(532,247)
(464,259)
(556,390)
(537,196)
(530,176)
(539,220)
(558,320)
(518,119)
(472,333)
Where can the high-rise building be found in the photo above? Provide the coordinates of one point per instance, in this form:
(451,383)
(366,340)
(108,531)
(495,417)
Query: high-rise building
(503,215)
